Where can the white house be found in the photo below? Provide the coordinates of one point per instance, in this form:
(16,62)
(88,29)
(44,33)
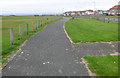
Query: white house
(89,12)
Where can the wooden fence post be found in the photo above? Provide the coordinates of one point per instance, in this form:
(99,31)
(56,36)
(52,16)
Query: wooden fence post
(104,20)
(44,21)
(41,23)
(47,20)
(36,24)
(32,26)
(20,32)
(27,29)
(11,36)
(108,20)
(113,20)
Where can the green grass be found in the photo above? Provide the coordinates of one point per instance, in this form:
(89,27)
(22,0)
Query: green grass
(91,30)
(103,65)
(15,21)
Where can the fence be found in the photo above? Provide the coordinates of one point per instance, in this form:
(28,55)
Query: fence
(105,19)
(38,24)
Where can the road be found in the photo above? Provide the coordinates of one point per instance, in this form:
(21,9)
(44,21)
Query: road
(106,18)
(50,53)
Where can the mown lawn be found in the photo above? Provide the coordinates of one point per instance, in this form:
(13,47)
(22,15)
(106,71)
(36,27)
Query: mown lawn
(103,65)
(15,21)
(91,30)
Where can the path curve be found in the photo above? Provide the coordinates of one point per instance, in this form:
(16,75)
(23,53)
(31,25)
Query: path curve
(48,53)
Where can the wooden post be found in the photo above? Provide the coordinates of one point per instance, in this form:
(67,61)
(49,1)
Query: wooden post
(20,32)
(47,20)
(41,23)
(11,36)
(44,21)
(108,20)
(32,26)
(113,20)
(27,29)
(104,20)
(36,24)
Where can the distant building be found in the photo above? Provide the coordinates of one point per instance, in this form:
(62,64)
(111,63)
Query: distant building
(106,12)
(83,12)
(73,13)
(115,10)
(67,13)
(70,13)
(89,12)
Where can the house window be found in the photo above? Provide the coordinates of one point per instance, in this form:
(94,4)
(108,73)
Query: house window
(113,10)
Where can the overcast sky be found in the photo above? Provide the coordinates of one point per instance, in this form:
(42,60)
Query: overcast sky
(52,6)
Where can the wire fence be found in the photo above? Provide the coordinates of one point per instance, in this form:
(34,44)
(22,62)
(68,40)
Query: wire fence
(38,24)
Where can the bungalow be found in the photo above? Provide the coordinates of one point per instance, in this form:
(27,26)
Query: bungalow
(106,12)
(67,13)
(115,10)
(89,12)
(73,13)
(98,12)
(80,12)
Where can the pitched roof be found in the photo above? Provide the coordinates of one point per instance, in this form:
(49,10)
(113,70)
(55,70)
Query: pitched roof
(89,10)
(115,7)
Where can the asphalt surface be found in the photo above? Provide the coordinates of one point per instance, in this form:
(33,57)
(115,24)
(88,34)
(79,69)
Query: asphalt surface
(50,53)
(102,48)
(102,18)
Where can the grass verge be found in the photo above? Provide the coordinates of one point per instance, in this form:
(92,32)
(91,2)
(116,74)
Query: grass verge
(91,30)
(103,65)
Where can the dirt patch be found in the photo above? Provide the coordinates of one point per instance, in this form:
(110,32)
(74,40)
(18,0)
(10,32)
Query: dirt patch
(115,54)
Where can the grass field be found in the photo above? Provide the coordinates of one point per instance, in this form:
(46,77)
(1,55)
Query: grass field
(15,21)
(91,30)
(103,65)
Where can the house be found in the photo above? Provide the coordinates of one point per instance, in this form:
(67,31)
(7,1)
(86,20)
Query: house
(73,13)
(100,12)
(80,13)
(67,13)
(106,12)
(70,13)
(115,10)
(89,12)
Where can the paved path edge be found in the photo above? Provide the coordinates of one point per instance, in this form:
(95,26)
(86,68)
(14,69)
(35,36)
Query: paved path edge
(67,33)
(86,66)
(16,52)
